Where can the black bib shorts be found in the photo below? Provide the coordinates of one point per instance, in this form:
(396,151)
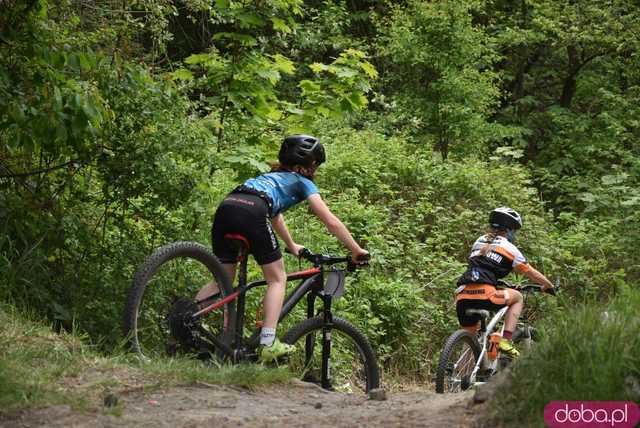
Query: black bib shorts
(246,215)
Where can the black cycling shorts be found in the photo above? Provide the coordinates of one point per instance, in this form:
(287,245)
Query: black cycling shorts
(471,320)
(246,215)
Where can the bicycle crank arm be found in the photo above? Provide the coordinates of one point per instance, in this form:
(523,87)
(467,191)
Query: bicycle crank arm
(213,340)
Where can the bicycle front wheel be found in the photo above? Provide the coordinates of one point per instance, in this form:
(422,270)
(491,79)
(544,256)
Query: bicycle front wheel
(161,298)
(353,364)
(457,360)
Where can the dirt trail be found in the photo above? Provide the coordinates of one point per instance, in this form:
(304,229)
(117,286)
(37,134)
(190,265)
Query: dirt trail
(291,405)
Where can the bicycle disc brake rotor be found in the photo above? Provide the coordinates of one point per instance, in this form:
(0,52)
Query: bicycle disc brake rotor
(180,321)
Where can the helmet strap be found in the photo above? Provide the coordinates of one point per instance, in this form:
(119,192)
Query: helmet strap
(511,235)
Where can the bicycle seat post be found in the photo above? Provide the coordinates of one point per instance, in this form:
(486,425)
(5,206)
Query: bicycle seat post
(243,243)
(483,314)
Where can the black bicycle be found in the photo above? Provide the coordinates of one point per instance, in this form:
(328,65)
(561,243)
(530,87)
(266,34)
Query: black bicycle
(330,351)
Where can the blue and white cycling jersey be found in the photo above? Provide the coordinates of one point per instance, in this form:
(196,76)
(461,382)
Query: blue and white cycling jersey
(284,188)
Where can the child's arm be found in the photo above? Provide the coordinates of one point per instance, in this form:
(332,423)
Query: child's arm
(535,276)
(281,229)
(335,226)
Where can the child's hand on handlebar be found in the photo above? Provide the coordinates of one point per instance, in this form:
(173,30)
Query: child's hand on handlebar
(360,257)
(295,249)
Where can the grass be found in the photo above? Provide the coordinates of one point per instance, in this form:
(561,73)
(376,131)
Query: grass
(590,353)
(39,367)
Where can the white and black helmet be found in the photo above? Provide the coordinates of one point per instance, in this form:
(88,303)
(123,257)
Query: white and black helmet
(505,218)
(301,150)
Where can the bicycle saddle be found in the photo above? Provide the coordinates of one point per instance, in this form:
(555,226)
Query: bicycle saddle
(483,313)
(238,239)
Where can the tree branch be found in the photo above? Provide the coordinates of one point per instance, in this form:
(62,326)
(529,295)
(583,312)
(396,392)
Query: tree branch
(40,171)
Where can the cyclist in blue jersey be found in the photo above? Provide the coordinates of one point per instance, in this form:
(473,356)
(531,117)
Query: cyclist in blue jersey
(254,210)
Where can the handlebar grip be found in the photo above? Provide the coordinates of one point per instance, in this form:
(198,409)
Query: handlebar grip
(551,291)
(302,253)
(364,258)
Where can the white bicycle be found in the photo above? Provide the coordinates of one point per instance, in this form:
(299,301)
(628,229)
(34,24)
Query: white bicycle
(467,360)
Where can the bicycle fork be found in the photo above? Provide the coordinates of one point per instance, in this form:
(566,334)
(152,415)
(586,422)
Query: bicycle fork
(326,341)
(327,324)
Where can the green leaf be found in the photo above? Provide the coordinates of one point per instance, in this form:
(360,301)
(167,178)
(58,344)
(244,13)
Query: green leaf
(269,74)
(357,100)
(283,64)
(324,111)
(609,180)
(198,59)
(250,19)
(635,200)
(280,25)
(243,39)
(309,86)
(294,110)
(369,69)
(346,72)
(182,74)
(587,197)
(317,67)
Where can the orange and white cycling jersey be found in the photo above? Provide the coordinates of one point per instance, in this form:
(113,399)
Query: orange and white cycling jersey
(499,261)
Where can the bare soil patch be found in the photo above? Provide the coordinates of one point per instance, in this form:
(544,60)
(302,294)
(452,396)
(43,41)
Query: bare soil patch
(295,404)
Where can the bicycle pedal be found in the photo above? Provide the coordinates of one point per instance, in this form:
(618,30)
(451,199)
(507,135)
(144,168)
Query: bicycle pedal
(250,356)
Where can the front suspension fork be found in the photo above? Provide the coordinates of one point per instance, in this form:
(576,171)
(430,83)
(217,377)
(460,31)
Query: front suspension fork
(326,341)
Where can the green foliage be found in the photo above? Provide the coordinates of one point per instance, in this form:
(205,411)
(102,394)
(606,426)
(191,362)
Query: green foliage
(597,361)
(31,358)
(243,88)
(76,198)
(122,127)
(440,67)
(580,125)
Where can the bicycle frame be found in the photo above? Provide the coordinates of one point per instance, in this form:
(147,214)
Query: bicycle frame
(311,286)
(483,360)
(473,364)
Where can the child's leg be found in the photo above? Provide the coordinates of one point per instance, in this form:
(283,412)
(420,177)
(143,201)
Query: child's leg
(276,278)
(211,288)
(515,303)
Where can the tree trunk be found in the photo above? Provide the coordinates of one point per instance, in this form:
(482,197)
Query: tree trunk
(569,86)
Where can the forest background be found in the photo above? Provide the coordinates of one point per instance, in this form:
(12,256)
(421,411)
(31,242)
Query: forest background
(123,124)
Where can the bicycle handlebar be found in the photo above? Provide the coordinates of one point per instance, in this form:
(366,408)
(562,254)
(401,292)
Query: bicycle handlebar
(326,259)
(529,288)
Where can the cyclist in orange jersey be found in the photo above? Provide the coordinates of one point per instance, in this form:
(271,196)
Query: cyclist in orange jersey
(493,256)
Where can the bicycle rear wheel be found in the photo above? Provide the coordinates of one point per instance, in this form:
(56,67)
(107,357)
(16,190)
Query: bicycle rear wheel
(353,364)
(161,296)
(457,360)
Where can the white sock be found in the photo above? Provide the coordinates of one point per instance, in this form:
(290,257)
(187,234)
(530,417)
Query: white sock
(267,336)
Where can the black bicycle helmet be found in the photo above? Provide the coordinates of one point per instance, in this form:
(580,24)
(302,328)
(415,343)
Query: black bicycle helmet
(505,218)
(301,150)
